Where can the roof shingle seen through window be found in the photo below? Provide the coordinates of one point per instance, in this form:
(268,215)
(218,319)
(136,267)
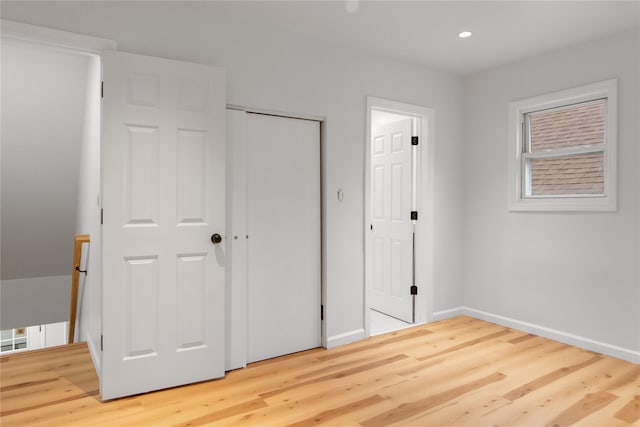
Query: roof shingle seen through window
(577,125)
(582,174)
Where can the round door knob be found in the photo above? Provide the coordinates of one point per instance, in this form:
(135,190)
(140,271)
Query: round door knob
(216,238)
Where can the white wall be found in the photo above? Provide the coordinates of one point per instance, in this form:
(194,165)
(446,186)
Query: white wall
(42,113)
(272,70)
(575,273)
(89,315)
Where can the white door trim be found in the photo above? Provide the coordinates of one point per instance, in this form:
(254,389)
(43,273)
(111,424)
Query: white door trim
(63,40)
(424,226)
(277,113)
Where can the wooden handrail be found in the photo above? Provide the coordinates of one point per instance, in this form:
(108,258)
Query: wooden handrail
(75,280)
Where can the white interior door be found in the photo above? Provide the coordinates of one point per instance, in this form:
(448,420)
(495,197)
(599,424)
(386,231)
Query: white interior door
(163,164)
(283,162)
(391,226)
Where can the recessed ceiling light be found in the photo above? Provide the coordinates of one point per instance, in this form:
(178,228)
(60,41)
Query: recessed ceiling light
(464,34)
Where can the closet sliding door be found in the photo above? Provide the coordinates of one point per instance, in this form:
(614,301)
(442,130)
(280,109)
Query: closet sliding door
(284,244)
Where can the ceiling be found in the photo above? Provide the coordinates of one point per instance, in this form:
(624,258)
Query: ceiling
(425,32)
(418,31)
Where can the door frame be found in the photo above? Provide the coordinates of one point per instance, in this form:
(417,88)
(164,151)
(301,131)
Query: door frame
(55,39)
(240,332)
(425,204)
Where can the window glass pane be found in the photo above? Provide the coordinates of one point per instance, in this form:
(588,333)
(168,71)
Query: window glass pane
(583,174)
(7,334)
(21,332)
(6,347)
(572,126)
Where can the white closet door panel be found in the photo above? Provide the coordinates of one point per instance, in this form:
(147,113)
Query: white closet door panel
(236,267)
(284,235)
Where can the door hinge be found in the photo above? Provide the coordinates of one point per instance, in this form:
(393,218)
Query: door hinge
(101,343)
(414,290)
(414,140)
(414,215)
(102,89)
(101,216)
(321,312)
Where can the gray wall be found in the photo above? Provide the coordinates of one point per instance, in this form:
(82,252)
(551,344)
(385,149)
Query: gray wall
(42,115)
(572,272)
(35,301)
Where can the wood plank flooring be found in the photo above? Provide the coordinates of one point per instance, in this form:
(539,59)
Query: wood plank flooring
(456,372)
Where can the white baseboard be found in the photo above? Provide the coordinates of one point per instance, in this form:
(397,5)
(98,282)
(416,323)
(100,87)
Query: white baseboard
(345,338)
(446,314)
(564,337)
(95,357)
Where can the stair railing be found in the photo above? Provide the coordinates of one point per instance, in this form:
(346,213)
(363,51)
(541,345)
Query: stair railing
(75,281)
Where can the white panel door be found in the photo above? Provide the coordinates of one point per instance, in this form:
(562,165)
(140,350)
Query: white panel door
(392,229)
(283,160)
(163,195)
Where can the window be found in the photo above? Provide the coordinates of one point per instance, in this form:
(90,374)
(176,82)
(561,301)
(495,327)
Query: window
(33,337)
(13,340)
(563,150)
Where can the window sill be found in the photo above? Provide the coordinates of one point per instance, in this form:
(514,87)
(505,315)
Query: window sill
(573,204)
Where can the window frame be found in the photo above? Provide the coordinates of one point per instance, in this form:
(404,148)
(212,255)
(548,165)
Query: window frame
(517,179)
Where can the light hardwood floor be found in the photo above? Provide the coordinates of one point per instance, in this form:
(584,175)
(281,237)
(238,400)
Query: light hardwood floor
(456,372)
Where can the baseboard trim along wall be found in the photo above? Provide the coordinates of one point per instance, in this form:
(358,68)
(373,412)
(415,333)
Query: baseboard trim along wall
(346,338)
(95,356)
(447,314)
(564,337)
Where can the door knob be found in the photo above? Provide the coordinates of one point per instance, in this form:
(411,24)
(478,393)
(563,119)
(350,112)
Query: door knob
(216,238)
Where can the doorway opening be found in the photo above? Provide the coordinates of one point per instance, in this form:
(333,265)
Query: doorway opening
(398,216)
(51,185)
(47,172)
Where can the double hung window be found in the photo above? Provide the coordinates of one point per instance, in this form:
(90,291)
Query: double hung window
(563,150)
